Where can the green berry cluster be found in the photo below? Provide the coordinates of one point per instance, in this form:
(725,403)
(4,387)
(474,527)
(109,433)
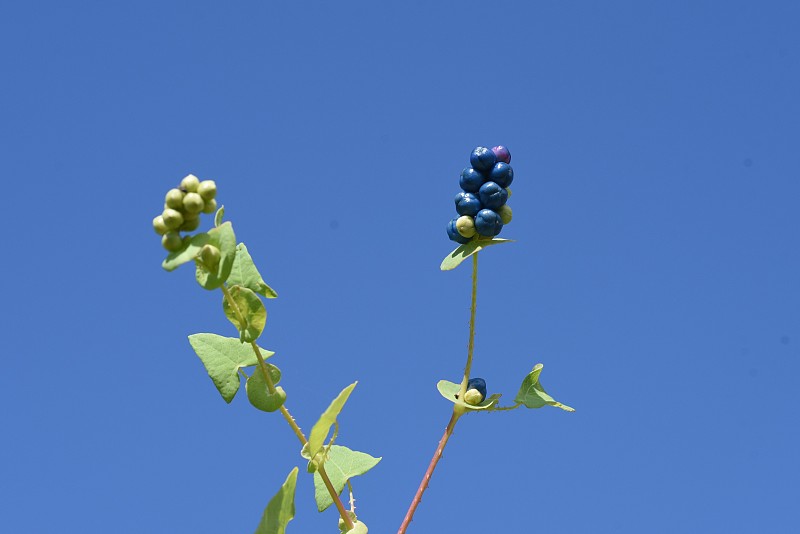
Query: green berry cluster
(182,208)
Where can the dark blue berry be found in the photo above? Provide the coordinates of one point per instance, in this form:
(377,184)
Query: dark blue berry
(471,180)
(452,233)
(492,196)
(479,384)
(488,223)
(482,159)
(467,204)
(502,174)
(502,154)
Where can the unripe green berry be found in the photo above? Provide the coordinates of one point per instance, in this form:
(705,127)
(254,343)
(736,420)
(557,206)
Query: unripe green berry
(473,397)
(174,199)
(190,184)
(508,190)
(207,189)
(190,225)
(159,226)
(172,241)
(193,203)
(172,218)
(465,226)
(210,207)
(505,213)
(210,256)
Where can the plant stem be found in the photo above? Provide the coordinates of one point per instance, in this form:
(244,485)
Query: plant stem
(458,411)
(471,346)
(285,412)
(429,472)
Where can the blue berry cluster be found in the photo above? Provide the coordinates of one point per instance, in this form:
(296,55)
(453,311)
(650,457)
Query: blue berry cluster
(481,205)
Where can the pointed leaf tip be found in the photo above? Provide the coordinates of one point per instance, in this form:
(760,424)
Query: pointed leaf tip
(280,509)
(532,394)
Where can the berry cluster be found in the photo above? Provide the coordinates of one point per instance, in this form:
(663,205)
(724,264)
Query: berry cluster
(182,208)
(482,202)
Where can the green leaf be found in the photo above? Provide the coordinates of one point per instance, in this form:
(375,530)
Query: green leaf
(449,390)
(342,465)
(532,394)
(218,216)
(222,358)
(245,274)
(224,239)
(189,251)
(358,528)
(258,392)
(465,251)
(280,509)
(321,428)
(252,310)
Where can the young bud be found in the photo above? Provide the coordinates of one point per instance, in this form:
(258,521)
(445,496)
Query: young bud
(190,225)
(172,218)
(159,226)
(505,213)
(174,199)
(172,241)
(190,184)
(207,189)
(193,203)
(465,226)
(210,256)
(473,397)
(210,206)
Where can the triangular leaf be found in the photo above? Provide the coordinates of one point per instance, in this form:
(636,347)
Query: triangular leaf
(321,428)
(218,216)
(342,465)
(245,274)
(532,394)
(189,251)
(252,310)
(466,250)
(449,390)
(222,358)
(224,239)
(280,509)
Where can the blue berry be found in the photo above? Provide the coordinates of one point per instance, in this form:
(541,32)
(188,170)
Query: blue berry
(492,196)
(467,204)
(488,223)
(502,174)
(471,180)
(452,233)
(479,384)
(502,154)
(482,159)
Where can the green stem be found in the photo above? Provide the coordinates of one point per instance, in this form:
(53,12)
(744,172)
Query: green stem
(471,347)
(285,412)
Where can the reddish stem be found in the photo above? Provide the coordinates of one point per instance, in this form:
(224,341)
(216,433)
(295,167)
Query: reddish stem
(429,473)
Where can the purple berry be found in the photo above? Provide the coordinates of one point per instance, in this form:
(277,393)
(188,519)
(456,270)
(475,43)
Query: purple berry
(488,223)
(502,174)
(492,196)
(482,159)
(452,233)
(467,204)
(502,154)
(471,180)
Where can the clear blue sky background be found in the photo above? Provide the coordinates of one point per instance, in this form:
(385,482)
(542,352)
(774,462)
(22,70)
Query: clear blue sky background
(656,273)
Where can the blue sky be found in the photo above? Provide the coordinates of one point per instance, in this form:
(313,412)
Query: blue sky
(656,272)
